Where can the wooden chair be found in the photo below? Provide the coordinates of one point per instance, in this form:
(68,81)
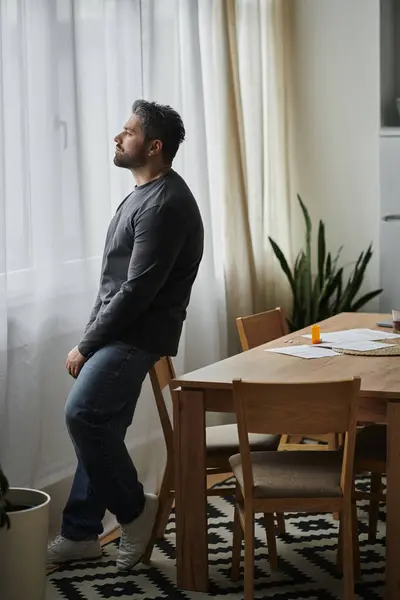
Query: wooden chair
(265,327)
(370,457)
(261,328)
(222,441)
(293,481)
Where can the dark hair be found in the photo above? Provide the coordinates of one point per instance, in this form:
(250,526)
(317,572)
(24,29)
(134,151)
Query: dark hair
(160,122)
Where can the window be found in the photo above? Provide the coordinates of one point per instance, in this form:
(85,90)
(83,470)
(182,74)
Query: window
(69,72)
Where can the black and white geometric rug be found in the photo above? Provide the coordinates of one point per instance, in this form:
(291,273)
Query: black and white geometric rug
(307,567)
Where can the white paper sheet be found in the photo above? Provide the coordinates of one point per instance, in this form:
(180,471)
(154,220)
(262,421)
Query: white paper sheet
(355,335)
(383,335)
(362,345)
(305,351)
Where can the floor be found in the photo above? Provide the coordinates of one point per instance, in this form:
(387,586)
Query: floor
(211,480)
(307,562)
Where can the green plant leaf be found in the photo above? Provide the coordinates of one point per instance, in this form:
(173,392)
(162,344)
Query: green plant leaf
(290,325)
(299,298)
(364,299)
(355,280)
(297,261)
(338,292)
(298,280)
(308,306)
(332,284)
(308,267)
(315,299)
(283,262)
(307,219)
(321,254)
(344,304)
(336,259)
(297,265)
(322,275)
(328,267)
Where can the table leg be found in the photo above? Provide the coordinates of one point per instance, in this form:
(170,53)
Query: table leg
(190,491)
(393,503)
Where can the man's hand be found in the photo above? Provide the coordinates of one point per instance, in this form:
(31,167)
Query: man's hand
(75,362)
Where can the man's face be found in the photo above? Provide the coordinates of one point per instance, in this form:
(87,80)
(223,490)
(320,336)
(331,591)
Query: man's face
(131,148)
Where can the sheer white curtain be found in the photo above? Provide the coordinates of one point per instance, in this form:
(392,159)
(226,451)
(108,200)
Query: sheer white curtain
(69,72)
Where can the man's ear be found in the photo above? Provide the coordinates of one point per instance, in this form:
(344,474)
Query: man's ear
(155,147)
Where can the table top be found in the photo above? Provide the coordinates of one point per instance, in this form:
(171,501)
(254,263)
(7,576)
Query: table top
(380,375)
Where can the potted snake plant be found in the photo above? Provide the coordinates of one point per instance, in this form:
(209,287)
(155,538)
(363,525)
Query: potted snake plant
(328,288)
(24,521)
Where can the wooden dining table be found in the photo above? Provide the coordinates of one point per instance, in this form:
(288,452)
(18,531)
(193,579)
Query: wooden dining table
(210,389)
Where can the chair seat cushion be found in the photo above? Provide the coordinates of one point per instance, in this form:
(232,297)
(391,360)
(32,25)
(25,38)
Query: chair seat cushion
(223,439)
(371,443)
(293,474)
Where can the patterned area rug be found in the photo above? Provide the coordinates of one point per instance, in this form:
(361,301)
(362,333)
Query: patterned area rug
(307,564)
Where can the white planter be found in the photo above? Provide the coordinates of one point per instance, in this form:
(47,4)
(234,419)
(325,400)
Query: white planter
(23,547)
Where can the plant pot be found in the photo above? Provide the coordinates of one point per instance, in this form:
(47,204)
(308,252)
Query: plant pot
(23,546)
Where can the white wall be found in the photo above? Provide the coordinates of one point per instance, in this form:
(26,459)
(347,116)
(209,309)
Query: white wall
(336,121)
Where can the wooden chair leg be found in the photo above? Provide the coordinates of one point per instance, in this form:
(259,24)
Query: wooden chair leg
(249,556)
(339,553)
(347,552)
(165,512)
(236,546)
(165,502)
(271,541)
(283,441)
(334,442)
(294,439)
(280,521)
(376,490)
(356,542)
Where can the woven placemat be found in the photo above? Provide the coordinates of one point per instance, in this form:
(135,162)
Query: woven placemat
(393,349)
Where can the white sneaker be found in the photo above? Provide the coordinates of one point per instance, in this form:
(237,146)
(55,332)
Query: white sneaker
(63,550)
(136,535)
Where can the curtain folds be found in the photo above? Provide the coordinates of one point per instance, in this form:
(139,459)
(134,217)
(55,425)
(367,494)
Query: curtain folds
(69,72)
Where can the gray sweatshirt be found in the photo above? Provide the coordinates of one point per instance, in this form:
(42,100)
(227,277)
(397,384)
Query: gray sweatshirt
(152,253)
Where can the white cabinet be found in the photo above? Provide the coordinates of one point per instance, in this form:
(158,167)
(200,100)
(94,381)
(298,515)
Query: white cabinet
(389,155)
(389,219)
(390,61)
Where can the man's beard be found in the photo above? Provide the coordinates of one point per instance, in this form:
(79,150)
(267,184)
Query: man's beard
(129,161)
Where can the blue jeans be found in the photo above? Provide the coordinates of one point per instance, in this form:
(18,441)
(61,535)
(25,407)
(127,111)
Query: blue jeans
(99,410)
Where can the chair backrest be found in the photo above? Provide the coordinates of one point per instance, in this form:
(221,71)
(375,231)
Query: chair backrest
(261,328)
(318,407)
(161,375)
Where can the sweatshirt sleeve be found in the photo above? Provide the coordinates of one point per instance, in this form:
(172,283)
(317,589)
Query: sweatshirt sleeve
(93,314)
(159,237)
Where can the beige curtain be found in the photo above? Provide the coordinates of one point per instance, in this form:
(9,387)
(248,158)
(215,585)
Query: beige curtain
(246,73)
